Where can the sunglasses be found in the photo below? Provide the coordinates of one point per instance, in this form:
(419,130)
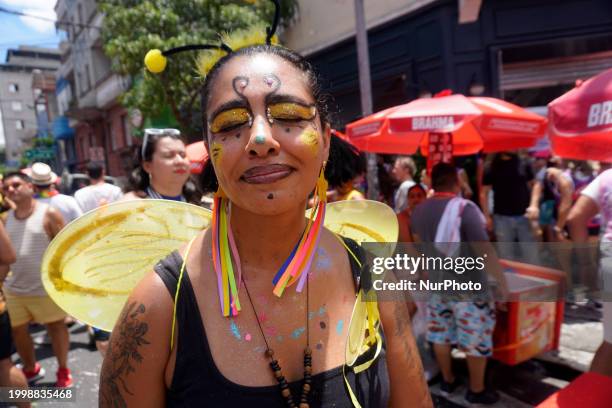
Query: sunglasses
(156,132)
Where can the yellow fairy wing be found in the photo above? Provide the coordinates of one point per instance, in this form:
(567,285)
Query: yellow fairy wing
(363,221)
(93,264)
(363,327)
(356,330)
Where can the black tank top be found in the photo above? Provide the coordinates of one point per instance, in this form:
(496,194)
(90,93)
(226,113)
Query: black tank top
(198,382)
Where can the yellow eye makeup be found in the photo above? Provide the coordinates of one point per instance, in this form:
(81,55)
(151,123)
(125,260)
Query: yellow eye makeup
(229,119)
(290,111)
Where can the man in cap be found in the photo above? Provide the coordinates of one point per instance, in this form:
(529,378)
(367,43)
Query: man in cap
(44,180)
(31,226)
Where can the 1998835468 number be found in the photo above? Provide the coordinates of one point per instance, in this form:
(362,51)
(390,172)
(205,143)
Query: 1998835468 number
(36,394)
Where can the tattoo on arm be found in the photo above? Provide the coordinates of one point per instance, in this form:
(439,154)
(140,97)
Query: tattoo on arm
(122,356)
(402,325)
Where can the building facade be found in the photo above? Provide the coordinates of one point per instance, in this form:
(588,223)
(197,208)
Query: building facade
(88,91)
(525,51)
(19,104)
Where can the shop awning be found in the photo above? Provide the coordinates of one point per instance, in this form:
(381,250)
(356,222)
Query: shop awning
(61,129)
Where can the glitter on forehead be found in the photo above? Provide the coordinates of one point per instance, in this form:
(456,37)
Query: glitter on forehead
(263,64)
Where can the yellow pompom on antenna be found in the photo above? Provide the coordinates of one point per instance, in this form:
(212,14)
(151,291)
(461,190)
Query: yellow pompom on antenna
(155,61)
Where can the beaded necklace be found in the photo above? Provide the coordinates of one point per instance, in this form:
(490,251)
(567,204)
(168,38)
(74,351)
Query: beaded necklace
(275,366)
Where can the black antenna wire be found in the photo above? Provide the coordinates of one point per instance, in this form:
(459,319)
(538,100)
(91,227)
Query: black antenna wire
(196,47)
(271,30)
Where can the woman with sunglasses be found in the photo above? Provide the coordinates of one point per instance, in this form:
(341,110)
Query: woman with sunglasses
(162,173)
(163,169)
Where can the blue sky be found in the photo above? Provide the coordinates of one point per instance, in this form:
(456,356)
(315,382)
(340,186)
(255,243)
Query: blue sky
(18,30)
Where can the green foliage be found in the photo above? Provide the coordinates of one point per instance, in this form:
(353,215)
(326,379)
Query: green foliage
(133,27)
(23,162)
(44,142)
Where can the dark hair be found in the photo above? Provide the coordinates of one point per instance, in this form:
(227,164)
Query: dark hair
(417,185)
(208,179)
(444,177)
(554,162)
(345,162)
(138,179)
(94,170)
(19,174)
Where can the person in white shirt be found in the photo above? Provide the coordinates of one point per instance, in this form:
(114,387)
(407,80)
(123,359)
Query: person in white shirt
(597,198)
(403,171)
(98,192)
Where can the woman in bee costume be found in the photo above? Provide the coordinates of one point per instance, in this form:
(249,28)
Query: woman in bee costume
(263,306)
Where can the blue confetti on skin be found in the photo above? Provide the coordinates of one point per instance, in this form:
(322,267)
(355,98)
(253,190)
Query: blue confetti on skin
(298,332)
(339,326)
(323,259)
(310,315)
(235,330)
(321,310)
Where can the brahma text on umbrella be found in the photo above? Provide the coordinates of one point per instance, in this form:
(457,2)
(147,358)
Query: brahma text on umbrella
(600,114)
(433,123)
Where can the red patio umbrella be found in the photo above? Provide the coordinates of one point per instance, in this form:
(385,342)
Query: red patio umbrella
(197,155)
(476,123)
(580,121)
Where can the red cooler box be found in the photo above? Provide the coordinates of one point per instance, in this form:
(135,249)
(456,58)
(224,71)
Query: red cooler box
(531,325)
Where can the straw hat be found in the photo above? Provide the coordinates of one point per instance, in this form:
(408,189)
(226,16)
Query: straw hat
(42,175)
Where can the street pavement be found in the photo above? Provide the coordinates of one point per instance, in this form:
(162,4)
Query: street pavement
(521,386)
(83,361)
(530,383)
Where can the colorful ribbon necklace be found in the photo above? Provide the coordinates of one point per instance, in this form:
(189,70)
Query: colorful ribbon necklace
(226,260)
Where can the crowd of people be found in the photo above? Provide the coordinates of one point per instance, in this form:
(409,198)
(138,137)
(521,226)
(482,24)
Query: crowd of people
(271,146)
(34,212)
(521,200)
